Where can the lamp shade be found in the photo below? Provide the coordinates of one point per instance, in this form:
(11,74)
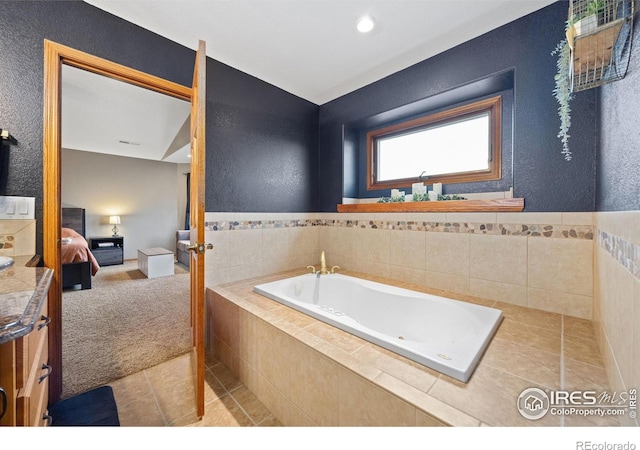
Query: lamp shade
(114,220)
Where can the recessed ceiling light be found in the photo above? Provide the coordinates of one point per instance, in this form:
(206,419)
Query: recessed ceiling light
(365,24)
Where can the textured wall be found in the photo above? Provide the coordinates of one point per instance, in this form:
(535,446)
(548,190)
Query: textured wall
(262,145)
(269,166)
(618,184)
(541,175)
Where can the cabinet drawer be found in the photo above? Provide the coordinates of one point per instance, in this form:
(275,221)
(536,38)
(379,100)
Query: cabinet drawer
(108,257)
(27,347)
(31,400)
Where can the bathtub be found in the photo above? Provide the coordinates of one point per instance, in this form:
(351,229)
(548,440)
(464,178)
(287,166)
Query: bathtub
(446,335)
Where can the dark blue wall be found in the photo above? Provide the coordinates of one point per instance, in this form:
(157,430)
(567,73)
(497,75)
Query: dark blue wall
(618,178)
(540,174)
(261,141)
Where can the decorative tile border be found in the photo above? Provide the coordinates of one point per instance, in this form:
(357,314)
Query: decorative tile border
(6,241)
(624,252)
(534,230)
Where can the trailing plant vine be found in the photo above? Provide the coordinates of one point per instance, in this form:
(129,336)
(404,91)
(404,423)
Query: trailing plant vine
(563,94)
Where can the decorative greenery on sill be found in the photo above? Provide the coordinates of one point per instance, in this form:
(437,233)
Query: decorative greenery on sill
(391,199)
(450,197)
(420,198)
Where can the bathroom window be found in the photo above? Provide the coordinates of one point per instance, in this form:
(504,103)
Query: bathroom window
(457,145)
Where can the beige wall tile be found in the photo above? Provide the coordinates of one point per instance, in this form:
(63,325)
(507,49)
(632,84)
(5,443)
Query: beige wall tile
(407,249)
(427,217)
(314,384)
(373,245)
(498,258)
(447,282)
(25,239)
(577,218)
(540,367)
(563,265)
(471,217)
(219,256)
(275,244)
(225,319)
(407,275)
(361,403)
(530,218)
(635,381)
(487,388)
(493,290)
(425,420)
(272,356)
(620,223)
(618,316)
(218,216)
(560,302)
(273,399)
(417,375)
(447,253)
(247,336)
(303,241)
(245,247)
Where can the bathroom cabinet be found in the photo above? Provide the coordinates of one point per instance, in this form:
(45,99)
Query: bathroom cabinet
(24,340)
(24,377)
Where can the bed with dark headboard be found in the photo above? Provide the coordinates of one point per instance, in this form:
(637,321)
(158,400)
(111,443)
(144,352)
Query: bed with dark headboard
(78,263)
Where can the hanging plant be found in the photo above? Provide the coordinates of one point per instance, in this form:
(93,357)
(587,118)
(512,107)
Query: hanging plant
(563,94)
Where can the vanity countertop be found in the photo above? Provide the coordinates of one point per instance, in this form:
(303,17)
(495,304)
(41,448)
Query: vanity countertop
(23,291)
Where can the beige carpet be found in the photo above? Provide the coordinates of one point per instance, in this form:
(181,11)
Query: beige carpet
(124,324)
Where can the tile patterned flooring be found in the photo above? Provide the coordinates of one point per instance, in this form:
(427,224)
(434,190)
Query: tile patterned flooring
(162,396)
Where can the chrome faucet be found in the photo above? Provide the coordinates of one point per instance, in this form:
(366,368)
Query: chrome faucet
(323,266)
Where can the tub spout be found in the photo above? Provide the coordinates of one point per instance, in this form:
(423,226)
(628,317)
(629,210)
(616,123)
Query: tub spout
(323,264)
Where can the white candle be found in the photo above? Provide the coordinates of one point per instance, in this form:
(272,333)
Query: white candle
(418,188)
(433,196)
(437,188)
(395,192)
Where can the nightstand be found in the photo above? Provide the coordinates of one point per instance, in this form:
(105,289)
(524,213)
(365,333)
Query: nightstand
(108,251)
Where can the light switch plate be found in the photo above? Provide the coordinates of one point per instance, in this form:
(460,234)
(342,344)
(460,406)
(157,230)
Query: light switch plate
(17,208)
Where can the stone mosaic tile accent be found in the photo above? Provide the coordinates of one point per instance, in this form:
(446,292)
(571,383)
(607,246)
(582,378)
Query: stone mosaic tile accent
(6,241)
(534,230)
(624,252)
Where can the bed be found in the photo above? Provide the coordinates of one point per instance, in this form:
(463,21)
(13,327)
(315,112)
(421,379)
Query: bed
(78,263)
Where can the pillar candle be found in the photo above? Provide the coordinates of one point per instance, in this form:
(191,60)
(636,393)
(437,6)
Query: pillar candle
(437,188)
(418,188)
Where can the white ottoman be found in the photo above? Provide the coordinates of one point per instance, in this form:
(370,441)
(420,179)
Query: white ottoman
(155,262)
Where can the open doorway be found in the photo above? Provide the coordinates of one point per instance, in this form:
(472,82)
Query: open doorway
(124,152)
(56,56)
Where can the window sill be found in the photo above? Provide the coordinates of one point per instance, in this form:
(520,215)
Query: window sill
(499,205)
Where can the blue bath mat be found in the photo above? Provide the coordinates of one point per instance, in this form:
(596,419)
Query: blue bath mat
(95,408)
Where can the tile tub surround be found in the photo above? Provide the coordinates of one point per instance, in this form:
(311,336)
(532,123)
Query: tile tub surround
(538,260)
(617,297)
(280,353)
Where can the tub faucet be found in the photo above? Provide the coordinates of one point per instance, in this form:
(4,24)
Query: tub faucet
(323,266)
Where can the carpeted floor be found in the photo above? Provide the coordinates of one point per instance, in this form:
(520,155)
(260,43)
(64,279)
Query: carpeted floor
(124,324)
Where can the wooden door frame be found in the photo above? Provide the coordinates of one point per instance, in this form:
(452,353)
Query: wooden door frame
(55,55)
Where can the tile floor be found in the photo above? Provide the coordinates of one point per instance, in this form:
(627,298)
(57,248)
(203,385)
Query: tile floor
(163,396)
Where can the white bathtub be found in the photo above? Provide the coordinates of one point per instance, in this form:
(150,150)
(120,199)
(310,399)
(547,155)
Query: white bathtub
(446,335)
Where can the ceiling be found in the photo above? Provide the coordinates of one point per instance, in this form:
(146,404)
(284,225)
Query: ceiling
(309,48)
(104,115)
